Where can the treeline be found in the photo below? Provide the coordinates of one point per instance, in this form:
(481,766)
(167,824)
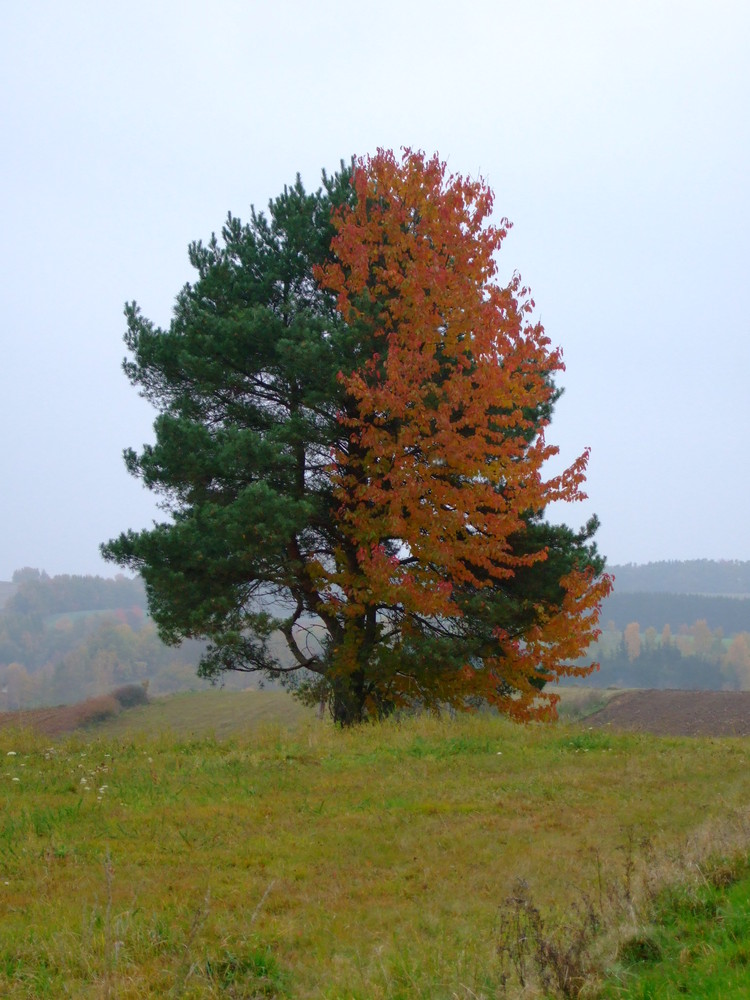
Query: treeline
(655,610)
(112,654)
(697,657)
(667,625)
(690,576)
(66,638)
(39,594)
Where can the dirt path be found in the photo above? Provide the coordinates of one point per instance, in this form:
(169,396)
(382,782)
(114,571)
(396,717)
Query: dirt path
(678,713)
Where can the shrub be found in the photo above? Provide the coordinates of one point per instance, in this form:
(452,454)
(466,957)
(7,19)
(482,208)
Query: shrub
(131,695)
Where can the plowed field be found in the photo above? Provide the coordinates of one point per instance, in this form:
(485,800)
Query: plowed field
(678,713)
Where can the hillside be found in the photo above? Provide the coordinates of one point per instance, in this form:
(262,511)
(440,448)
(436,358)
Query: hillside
(200,714)
(691,576)
(679,593)
(214,713)
(677,713)
(655,610)
(220,714)
(66,638)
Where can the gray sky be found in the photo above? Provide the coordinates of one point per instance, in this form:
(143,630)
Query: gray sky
(616,137)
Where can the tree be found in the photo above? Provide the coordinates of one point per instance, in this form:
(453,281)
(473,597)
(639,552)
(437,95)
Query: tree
(350,444)
(736,661)
(16,687)
(632,639)
(28,574)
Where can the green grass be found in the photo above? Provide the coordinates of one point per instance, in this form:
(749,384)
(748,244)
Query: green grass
(294,860)
(697,945)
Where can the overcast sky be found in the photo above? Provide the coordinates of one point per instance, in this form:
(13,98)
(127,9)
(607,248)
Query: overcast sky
(616,137)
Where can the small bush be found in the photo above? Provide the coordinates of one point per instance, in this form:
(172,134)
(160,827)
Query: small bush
(131,695)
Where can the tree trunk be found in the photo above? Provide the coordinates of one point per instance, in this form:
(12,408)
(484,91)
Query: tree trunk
(348,699)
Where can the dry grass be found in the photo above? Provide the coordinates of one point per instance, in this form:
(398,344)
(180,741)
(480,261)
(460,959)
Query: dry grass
(577,703)
(216,713)
(314,863)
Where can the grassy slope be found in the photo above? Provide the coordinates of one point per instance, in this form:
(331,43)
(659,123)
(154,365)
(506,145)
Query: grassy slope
(224,713)
(207,713)
(229,713)
(316,863)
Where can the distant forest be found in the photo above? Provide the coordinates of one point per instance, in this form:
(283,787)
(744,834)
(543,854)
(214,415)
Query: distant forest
(36,593)
(65,638)
(679,594)
(692,576)
(731,614)
(676,625)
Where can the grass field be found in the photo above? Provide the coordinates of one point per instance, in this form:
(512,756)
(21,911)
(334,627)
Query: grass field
(208,713)
(147,858)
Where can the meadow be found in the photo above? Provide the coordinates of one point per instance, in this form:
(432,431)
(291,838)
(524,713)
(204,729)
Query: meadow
(175,851)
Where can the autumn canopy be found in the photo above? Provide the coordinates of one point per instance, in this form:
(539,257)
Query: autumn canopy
(351,443)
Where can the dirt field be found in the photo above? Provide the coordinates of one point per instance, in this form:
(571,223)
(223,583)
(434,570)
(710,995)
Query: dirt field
(678,713)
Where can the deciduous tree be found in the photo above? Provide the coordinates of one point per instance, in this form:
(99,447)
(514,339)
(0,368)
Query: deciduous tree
(632,640)
(736,660)
(351,443)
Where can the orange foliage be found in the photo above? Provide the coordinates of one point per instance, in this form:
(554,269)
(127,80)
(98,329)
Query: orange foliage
(632,639)
(445,421)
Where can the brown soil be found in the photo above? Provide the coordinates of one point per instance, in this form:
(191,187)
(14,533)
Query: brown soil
(678,713)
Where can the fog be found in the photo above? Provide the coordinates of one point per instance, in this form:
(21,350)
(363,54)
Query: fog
(616,138)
